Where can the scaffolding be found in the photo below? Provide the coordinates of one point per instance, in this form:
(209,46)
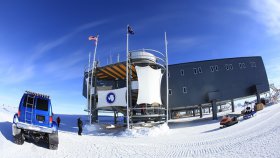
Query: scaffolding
(124,75)
(139,114)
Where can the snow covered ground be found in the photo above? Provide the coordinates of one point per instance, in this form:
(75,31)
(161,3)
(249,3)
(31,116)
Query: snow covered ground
(188,137)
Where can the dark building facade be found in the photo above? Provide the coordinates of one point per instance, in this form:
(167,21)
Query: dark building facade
(196,82)
(211,81)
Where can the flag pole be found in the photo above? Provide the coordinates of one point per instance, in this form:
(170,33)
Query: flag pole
(127,108)
(93,68)
(167,84)
(88,85)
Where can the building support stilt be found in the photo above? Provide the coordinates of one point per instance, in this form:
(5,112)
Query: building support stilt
(214,110)
(115,117)
(258,98)
(193,112)
(232,105)
(200,111)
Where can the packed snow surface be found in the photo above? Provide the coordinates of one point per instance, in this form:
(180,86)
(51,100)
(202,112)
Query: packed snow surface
(189,137)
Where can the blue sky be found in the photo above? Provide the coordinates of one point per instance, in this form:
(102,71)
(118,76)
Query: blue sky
(44,44)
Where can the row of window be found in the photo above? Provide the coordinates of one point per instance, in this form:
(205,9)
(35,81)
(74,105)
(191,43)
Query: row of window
(183,88)
(214,68)
(253,64)
(229,67)
(242,65)
(40,104)
(197,70)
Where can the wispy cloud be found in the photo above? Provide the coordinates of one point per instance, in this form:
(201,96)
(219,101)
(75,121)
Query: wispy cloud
(267,12)
(189,42)
(90,25)
(12,73)
(45,47)
(68,67)
(16,71)
(186,41)
(273,69)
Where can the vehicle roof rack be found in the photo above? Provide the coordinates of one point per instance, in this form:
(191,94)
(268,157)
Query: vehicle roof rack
(37,94)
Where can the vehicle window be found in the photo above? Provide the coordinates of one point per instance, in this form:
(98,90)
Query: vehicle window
(42,104)
(28,101)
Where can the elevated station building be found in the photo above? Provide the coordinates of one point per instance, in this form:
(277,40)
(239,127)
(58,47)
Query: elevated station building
(154,97)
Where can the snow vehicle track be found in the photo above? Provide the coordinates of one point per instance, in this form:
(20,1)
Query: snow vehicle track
(257,136)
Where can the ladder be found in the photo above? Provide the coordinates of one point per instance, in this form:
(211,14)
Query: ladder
(29,104)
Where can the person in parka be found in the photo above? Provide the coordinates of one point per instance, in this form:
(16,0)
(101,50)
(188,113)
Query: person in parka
(58,121)
(80,126)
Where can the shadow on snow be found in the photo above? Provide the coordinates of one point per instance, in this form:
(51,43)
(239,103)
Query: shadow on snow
(192,123)
(6,130)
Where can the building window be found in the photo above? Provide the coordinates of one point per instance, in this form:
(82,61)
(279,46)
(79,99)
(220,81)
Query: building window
(195,71)
(240,65)
(199,70)
(230,67)
(227,67)
(168,74)
(169,91)
(185,90)
(216,68)
(212,68)
(182,72)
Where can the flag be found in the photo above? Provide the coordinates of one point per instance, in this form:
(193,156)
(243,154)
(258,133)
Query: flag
(129,30)
(92,38)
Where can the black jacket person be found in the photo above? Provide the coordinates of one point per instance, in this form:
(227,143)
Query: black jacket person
(80,126)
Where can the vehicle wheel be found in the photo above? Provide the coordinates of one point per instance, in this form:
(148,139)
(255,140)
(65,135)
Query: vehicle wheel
(53,141)
(53,146)
(18,139)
